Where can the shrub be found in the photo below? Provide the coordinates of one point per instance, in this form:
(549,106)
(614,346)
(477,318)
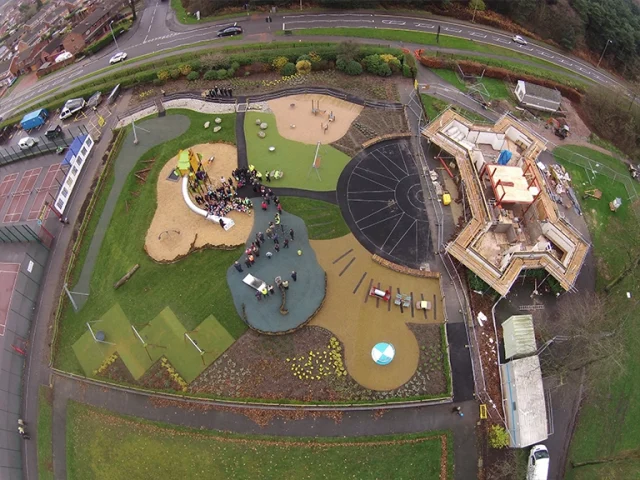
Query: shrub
(372,63)
(146,77)
(279,62)
(304,57)
(392,61)
(303,67)
(157,82)
(163,75)
(231,73)
(321,65)
(222,74)
(235,65)
(193,76)
(196,65)
(211,75)
(341,62)
(406,71)
(175,74)
(353,68)
(288,70)
(314,57)
(185,69)
(498,437)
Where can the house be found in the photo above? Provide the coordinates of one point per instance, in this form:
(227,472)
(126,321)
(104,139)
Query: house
(538,97)
(29,59)
(53,49)
(6,77)
(56,17)
(91,28)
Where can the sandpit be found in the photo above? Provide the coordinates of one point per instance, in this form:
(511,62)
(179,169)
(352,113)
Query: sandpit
(308,127)
(175,230)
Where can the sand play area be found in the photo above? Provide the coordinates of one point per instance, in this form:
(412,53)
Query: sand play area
(295,120)
(360,321)
(175,230)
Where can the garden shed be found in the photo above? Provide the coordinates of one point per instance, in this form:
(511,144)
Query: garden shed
(538,97)
(519,336)
(525,407)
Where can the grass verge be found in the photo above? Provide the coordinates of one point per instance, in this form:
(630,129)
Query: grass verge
(434,106)
(451,77)
(155,286)
(100,445)
(323,220)
(45,433)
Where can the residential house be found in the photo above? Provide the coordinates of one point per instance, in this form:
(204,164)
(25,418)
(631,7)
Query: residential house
(91,28)
(6,77)
(53,49)
(30,59)
(538,97)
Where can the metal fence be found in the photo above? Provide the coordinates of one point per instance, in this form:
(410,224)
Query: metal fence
(24,233)
(13,153)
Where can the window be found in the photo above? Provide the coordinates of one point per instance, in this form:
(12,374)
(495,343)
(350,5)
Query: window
(89,142)
(65,192)
(84,151)
(60,205)
(74,171)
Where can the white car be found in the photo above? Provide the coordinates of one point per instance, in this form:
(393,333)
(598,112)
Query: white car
(519,40)
(538,464)
(118,57)
(25,143)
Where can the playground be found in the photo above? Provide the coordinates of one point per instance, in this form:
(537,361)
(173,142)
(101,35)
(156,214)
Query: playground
(175,231)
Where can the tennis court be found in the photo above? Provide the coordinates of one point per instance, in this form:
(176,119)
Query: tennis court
(8,277)
(49,184)
(5,187)
(21,195)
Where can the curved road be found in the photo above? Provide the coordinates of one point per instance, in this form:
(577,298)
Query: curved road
(157,30)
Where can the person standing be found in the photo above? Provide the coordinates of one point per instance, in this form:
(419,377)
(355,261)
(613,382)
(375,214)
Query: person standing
(256,251)
(276,240)
(237,266)
(252,259)
(279,208)
(277,247)
(247,262)
(269,255)
(261,236)
(258,295)
(221,222)
(286,243)
(291,234)
(272,290)
(294,276)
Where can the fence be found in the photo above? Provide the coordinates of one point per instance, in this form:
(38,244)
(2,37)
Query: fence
(14,153)
(23,233)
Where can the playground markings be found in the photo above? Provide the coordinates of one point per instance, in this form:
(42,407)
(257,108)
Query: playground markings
(8,278)
(21,195)
(48,183)
(5,187)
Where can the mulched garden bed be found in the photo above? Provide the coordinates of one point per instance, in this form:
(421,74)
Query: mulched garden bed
(256,366)
(156,378)
(365,86)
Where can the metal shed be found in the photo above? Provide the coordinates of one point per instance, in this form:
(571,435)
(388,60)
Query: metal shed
(525,407)
(519,336)
(537,97)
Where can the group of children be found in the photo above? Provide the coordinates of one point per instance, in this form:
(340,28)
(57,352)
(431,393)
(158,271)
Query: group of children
(217,201)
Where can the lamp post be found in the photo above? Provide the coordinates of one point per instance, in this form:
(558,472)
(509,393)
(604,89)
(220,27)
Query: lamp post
(114,37)
(603,51)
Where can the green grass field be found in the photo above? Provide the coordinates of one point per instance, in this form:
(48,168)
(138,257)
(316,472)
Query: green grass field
(434,106)
(190,287)
(451,77)
(496,89)
(323,220)
(606,428)
(104,445)
(45,434)
(293,158)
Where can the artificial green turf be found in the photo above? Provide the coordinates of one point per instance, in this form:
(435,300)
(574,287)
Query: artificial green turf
(45,434)
(293,158)
(101,445)
(323,220)
(194,288)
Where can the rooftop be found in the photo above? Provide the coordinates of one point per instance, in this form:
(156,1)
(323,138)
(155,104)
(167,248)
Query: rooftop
(513,224)
(542,92)
(94,17)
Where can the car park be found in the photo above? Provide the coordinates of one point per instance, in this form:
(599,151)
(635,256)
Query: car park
(94,100)
(519,40)
(54,132)
(72,106)
(118,57)
(235,29)
(25,143)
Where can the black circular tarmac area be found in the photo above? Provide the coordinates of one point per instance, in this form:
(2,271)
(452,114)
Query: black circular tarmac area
(381,199)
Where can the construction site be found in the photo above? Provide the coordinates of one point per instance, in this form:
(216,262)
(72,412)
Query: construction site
(510,222)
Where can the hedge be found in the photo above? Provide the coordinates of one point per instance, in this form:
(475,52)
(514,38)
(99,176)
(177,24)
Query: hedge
(107,39)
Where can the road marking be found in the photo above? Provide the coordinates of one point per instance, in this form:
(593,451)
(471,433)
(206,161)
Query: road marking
(544,54)
(423,25)
(183,38)
(528,49)
(331,15)
(332,21)
(500,40)
(476,34)
(76,74)
(393,22)
(447,29)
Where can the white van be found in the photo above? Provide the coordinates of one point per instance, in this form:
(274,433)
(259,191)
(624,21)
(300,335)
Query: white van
(72,106)
(25,143)
(538,465)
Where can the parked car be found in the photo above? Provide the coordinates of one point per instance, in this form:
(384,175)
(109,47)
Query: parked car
(94,100)
(72,106)
(519,40)
(118,57)
(235,29)
(25,143)
(538,464)
(54,132)
(5,133)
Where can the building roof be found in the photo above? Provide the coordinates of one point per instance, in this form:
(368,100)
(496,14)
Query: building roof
(537,95)
(54,44)
(525,405)
(30,115)
(92,18)
(519,336)
(4,66)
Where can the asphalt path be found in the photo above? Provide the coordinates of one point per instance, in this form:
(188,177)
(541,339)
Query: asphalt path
(157,30)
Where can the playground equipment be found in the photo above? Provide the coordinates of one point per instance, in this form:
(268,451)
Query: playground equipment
(594,193)
(315,107)
(315,165)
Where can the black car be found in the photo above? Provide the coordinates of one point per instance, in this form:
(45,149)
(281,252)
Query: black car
(54,132)
(230,31)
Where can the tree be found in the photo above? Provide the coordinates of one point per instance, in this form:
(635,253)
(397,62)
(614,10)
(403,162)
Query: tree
(132,6)
(477,5)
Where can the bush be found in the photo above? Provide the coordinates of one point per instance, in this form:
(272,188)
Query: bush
(321,65)
(185,69)
(288,70)
(157,82)
(222,74)
(392,61)
(406,71)
(211,75)
(278,63)
(193,76)
(196,65)
(163,75)
(146,77)
(314,57)
(235,65)
(174,74)
(231,73)
(353,68)
(341,62)
(303,67)
(302,58)
(498,437)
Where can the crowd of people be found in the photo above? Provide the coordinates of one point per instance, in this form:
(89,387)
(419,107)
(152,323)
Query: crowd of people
(220,200)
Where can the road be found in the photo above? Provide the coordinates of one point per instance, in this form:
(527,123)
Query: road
(157,30)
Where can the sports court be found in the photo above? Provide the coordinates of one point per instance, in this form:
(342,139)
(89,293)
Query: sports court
(5,187)
(8,277)
(21,195)
(49,185)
